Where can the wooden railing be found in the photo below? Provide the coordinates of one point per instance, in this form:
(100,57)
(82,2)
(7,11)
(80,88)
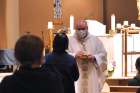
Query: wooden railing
(124,88)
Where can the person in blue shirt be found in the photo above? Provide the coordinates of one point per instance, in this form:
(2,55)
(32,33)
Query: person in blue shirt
(63,62)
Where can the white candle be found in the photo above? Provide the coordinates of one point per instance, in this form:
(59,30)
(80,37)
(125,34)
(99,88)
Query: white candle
(125,23)
(133,25)
(50,25)
(71,22)
(118,26)
(113,22)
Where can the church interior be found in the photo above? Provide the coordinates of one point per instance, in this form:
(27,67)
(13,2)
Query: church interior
(115,22)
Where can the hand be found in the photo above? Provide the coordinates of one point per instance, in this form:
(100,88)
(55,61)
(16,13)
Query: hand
(82,56)
(79,55)
(91,58)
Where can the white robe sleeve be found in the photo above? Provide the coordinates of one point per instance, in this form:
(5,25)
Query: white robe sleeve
(101,54)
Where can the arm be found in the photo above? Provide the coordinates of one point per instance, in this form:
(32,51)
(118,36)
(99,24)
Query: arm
(70,51)
(101,55)
(70,46)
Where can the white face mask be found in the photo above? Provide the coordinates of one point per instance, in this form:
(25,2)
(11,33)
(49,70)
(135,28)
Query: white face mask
(82,34)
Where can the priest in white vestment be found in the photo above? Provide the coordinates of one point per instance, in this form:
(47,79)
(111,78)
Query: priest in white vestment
(91,58)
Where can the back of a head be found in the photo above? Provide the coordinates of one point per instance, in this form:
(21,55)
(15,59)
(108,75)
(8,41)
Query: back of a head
(28,49)
(137,64)
(60,43)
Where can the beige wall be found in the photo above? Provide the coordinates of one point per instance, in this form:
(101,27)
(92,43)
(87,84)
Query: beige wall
(123,10)
(90,9)
(12,22)
(34,14)
(20,16)
(9,23)
(2,24)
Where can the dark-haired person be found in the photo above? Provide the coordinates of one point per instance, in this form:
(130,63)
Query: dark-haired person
(136,80)
(63,62)
(91,58)
(31,76)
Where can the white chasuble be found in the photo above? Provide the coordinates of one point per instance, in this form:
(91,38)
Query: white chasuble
(91,75)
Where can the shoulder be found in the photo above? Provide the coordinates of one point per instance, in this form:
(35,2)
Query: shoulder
(135,81)
(69,56)
(8,78)
(8,81)
(70,59)
(71,38)
(93,37)
(49,56)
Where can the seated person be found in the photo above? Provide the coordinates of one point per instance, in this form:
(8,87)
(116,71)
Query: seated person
(63,62)
(31,77)
(136,80)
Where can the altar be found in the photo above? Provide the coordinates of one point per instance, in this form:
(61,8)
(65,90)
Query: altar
(114,46)
(121,53)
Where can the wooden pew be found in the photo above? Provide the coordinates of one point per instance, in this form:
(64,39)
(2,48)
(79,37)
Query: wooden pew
(118,81)
(124,88)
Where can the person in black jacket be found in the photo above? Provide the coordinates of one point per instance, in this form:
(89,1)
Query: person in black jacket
(31,77)
(63,62)
(136,80)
